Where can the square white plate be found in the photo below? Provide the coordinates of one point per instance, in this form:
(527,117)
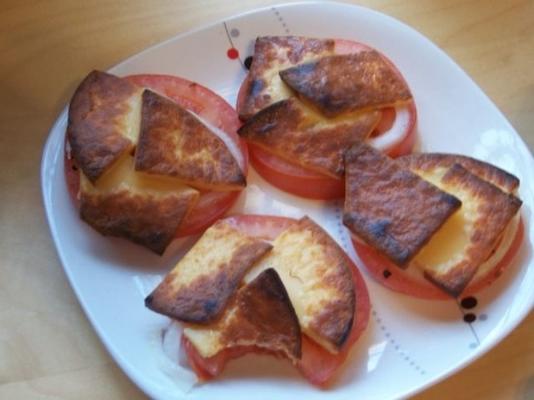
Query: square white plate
(409,343)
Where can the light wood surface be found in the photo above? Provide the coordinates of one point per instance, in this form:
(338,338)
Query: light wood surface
(47,347)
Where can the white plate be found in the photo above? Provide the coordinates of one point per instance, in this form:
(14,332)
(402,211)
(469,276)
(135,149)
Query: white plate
(409,344)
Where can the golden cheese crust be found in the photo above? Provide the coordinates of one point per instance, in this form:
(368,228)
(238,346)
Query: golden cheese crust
(431,161)
(199,287)
(101,125)
(271,54)
(318,278)
(173,142)
(294,132)
(140,208)
(491,210)
(389,207)
(148,220)
(346,83)
(261,315)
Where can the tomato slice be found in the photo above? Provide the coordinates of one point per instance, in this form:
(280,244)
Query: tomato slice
(395,135)
(393,277)
(215,111)
(317,364)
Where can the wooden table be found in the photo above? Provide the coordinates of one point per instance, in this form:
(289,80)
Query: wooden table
(47,347)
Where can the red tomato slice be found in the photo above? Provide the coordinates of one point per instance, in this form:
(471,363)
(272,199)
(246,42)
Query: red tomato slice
(391,276)
(397,138)
(211,108)
(317,365)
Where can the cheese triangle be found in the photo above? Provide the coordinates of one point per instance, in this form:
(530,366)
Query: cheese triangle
(175,143)
(467,240)
(145,210)
(301,136)
(199,287)
(103,122)
(347,83)
(261,316)
(317,277)
(263,85)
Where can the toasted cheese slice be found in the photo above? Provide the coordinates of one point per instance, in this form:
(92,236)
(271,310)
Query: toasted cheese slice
(103,125)
(455,253)
(263,86)
(391,208)
(261,316)
(175,143)
(145,210)
(199,287)
(300,135)
(318,279)
(346,83)
(439,164)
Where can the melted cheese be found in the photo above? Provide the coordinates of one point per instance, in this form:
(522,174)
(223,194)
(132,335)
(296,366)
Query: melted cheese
(456,245)
(122,176)
(274,86)
(449,244)
(314,274)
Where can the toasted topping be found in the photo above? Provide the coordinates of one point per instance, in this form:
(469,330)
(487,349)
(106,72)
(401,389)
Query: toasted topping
(440,163)
(298,134)
(389,207)
(318,280)
(199,287)
(261,316)
(346,83)
(472,234)
(175,143)
(103,122)
(148,211)
(272,54)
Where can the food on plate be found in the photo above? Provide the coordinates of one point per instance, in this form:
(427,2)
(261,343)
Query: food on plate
(198,289)
(266,284)
(293,134)
(152,157)
(396,222)
(305,101)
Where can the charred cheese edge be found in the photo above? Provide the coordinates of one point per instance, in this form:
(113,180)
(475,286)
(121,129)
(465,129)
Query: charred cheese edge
(300,135)
(146,210)
(391,208)
(466,241)
(199,287)
(318,279)
(173,142)
(260,316)
(263,85)
(438,163)
(347,83)
(103,122)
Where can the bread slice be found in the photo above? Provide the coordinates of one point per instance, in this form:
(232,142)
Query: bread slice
(199,287)
(145,210)
(261,316)
(175,143)
(439,164)
(300,135)
(391,208)
(317,277)
(347,83)
(103,124)
(467,240)
(272,54)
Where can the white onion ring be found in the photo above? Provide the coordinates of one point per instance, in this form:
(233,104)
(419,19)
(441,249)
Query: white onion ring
(395,135)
